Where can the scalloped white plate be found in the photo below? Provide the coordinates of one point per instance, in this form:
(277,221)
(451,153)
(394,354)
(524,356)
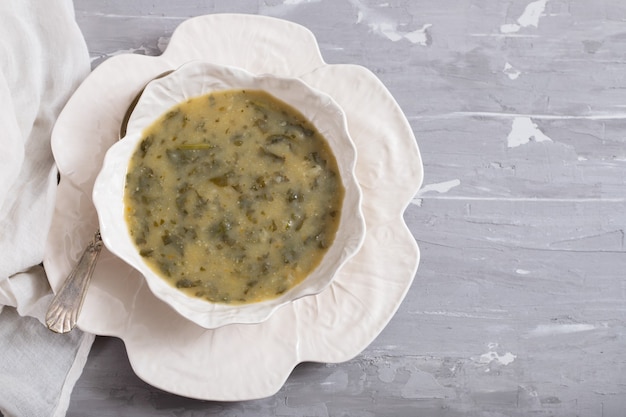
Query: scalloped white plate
(240,362)
(197,78)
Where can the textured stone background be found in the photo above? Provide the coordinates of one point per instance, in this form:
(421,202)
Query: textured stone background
(518,307)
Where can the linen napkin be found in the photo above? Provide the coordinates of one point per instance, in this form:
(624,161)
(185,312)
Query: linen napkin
(43,58)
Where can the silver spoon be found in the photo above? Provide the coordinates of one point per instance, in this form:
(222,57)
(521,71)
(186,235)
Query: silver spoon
(65,307)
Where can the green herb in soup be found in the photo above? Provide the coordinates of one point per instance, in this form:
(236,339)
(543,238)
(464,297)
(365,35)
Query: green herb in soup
(233,197)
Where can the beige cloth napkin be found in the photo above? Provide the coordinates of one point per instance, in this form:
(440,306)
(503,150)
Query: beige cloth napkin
(43,58)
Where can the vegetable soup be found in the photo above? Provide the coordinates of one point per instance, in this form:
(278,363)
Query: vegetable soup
(233,197)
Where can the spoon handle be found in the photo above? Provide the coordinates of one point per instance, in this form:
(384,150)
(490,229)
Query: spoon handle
(65,307)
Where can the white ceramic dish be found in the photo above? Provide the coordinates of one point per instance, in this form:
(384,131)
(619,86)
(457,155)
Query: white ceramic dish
(240,362)
(198,78)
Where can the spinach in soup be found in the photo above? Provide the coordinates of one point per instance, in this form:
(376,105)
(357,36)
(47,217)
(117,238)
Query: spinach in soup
(233,197)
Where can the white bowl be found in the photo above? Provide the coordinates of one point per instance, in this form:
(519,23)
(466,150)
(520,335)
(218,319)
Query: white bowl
(198,78)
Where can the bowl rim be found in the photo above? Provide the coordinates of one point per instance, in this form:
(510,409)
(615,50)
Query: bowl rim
(161,94)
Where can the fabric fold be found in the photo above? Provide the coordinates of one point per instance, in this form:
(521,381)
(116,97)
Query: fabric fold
(43,59)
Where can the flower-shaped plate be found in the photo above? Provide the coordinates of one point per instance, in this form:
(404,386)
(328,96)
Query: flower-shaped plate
(239,362)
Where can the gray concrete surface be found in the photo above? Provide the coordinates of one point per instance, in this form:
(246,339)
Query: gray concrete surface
(519,304)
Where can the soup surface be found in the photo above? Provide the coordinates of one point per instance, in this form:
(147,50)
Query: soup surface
(233,197)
